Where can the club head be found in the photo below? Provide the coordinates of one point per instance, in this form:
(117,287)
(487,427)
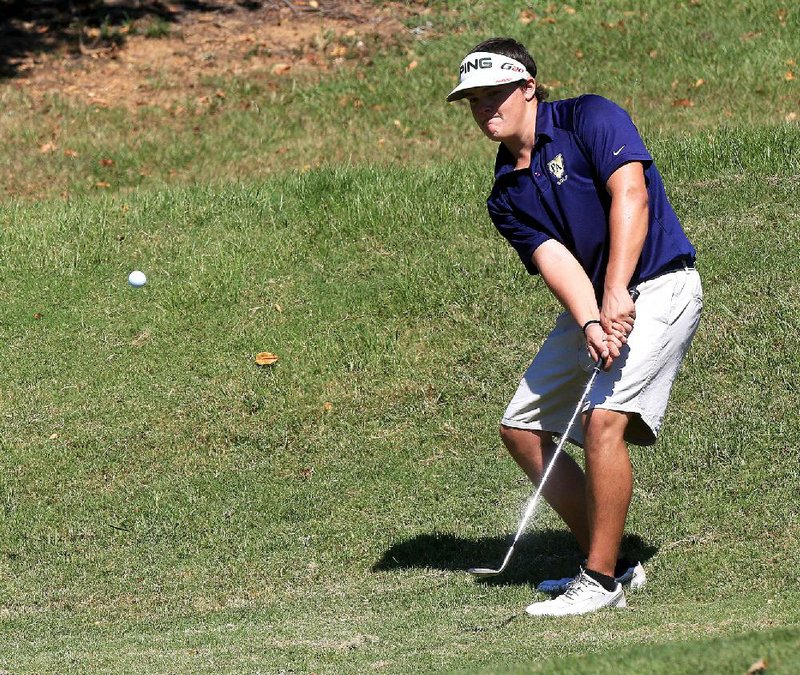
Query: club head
(482,572)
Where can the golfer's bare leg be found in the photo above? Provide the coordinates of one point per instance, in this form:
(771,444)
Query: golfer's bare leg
(609,485)
(565,489)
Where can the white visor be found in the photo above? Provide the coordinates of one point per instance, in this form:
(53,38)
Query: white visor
(484,69)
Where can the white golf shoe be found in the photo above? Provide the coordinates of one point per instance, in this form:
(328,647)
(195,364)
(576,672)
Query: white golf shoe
(583,595)
(633,575)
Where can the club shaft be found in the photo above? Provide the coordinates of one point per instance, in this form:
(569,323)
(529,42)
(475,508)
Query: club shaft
(529,509)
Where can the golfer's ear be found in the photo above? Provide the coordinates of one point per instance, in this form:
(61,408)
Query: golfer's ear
(530,89)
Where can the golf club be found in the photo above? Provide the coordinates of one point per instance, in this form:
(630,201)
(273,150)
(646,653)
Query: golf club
(486,571)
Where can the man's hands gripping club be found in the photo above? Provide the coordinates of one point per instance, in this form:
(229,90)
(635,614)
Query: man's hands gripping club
(617,317)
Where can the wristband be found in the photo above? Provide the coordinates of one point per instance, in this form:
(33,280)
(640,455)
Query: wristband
(589,323)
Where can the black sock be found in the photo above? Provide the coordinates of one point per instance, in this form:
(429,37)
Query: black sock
(623,565)
(609,583)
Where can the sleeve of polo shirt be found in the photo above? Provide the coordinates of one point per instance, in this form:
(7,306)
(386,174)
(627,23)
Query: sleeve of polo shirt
(523,238)
(608,134)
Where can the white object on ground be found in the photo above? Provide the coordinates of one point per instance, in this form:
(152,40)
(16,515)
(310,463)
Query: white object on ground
(137,279)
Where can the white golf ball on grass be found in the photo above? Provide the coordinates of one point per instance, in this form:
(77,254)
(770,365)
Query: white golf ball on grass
(137,279)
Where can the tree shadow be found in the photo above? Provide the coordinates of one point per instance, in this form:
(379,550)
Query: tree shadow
(548,554)
(31,28)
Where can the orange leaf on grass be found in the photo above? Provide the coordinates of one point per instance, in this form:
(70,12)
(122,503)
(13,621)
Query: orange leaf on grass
(266,358)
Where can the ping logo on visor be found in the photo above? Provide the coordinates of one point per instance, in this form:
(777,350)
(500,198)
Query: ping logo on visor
(466,66)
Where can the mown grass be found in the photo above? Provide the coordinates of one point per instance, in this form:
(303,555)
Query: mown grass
(168,506)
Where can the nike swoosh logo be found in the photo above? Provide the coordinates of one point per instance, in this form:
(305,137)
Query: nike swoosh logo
(618,151)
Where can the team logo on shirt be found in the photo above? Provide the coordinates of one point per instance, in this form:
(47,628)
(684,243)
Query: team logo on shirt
(556,167)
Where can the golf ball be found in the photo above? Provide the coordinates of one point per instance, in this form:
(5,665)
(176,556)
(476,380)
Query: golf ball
(137,279)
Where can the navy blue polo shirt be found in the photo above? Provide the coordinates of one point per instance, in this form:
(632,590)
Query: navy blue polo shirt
(579,143)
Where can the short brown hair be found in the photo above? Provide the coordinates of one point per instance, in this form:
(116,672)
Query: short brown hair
(506,46)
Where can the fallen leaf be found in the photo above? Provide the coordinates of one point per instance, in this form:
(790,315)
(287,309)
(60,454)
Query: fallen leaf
(281,68)
(746,37)
(579,54)
(699,83)
(141,339)
(69,152)
(102,184)
(327,406)
(570,10)
(526,16)
(266,358)
(789,76)
(758,667)
(38,315)
(411,65)
(106,162)
(782,14)
(653,54)
(683,103)
(47,148)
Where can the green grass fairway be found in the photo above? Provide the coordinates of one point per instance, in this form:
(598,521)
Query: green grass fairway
(168,506)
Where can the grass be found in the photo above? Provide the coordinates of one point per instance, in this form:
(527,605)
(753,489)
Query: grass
(168,506)
(679,67)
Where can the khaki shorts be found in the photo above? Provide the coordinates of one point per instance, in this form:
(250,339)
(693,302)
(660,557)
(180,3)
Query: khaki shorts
(667,315)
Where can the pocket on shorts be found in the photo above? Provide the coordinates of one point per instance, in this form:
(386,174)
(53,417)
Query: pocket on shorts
(687,296)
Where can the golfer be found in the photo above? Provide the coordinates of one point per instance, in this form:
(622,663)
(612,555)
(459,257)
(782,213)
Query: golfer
(576,193)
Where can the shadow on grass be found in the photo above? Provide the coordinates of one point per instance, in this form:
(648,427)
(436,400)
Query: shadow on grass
(28,28)
(542,555)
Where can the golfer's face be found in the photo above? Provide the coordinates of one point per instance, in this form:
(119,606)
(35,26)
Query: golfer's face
(497,110)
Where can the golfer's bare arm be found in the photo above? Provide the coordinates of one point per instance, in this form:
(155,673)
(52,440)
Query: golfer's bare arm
(568,281)
(628,221)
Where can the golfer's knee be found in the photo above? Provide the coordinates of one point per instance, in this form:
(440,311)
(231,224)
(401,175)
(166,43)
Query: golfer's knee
(604,429)
(523,441)
(513,439)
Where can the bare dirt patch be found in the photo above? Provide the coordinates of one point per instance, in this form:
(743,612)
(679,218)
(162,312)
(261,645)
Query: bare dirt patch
(168,58)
